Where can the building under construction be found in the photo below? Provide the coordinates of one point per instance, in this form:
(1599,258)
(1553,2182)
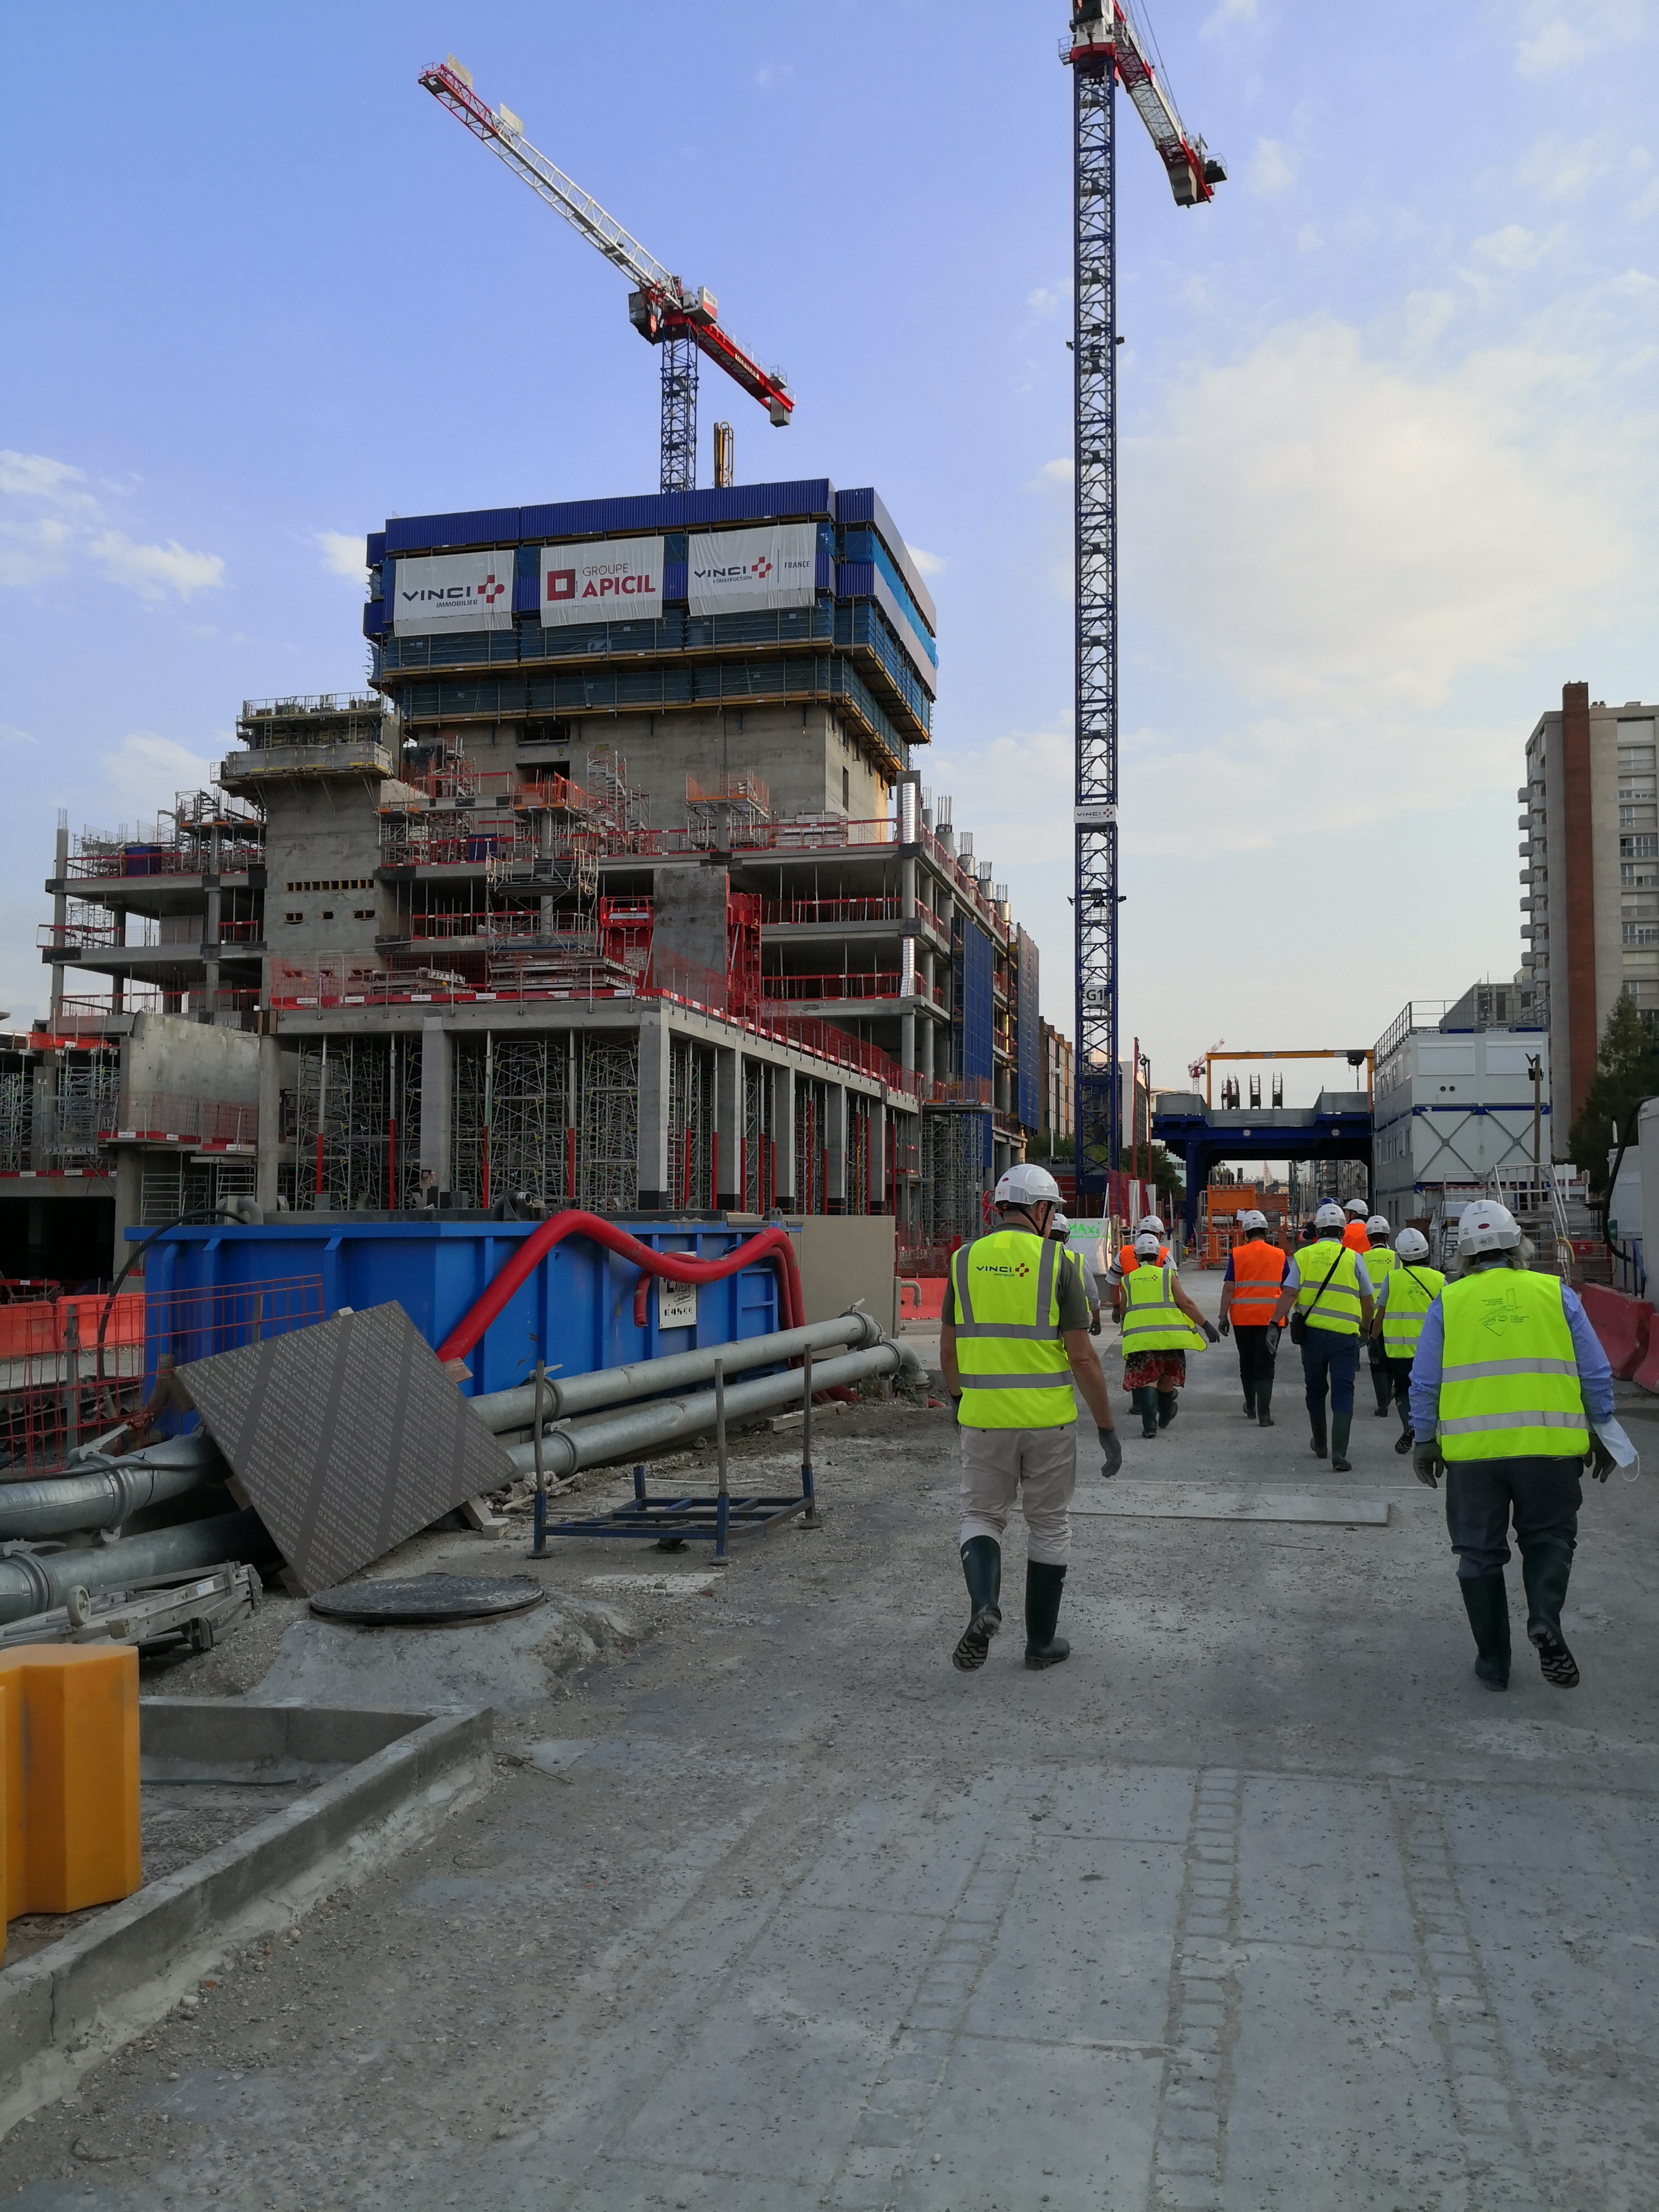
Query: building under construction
(617,886)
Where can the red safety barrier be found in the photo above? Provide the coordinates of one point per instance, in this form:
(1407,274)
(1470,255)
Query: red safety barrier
(1622,1326)
(771,1243)
(921,1297)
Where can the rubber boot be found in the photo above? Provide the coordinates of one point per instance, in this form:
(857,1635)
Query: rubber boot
(1544,1570)
(1340,1424)
(1166,1408)
(1146,1406)
(1382,1384)
(1316,1421)
(1264,1398)
(981,1563)
(1486,1602)
(1043,1584)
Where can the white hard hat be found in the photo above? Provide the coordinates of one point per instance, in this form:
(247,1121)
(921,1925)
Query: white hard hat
(1377,1225)
(1059,1226)
(1026,1184)
(1357,1206)
(1411,1245)
(1146,1245)
(1149,1225)
(1252,1219)
(1329,1216)
(1487,1227)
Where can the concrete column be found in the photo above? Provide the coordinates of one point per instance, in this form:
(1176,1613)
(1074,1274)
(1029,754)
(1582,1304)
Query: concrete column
(268,1156)
(43,1118)
(929,1027)
(117,915)
(654,1111)
(437,1076)
(835,1139)
(129,1180)
(728,1127)
(59,913)
(783,1136)
(877,1197)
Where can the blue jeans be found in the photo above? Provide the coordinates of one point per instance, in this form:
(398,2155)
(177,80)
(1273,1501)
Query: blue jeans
(1333,1359)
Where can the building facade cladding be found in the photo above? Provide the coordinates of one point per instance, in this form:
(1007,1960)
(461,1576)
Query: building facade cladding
(697,957)
(1453,1098)
(1057,1096)
(1589,878)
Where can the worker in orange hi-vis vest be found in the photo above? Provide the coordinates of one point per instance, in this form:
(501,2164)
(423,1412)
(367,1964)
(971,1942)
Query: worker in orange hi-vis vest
(1126,1262)
(1355,1237)
(1249,1292)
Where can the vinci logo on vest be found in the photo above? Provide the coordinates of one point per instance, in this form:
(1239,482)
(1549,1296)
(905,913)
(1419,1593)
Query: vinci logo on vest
(452,591)
(602,580)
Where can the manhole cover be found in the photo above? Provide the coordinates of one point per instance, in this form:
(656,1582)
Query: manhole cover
(428,1600)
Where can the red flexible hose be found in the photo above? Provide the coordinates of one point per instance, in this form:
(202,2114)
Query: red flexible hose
(772,1243)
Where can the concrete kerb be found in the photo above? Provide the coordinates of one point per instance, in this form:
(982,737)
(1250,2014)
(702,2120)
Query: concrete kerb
(66,2008)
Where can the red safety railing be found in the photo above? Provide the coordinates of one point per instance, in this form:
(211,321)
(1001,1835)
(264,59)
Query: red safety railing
(163,1115)
(858,983)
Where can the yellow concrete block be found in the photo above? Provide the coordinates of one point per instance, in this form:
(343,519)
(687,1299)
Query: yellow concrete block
(76,1772)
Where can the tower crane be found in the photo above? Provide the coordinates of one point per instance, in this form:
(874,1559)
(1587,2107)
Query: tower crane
(1104,50)
(683,319)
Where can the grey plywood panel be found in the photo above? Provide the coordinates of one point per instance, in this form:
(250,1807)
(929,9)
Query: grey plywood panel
(349,1437)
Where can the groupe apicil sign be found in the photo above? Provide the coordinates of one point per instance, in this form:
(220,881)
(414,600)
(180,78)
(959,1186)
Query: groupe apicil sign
(601,577)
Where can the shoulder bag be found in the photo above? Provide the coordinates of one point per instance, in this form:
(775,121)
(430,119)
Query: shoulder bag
(1299,1318)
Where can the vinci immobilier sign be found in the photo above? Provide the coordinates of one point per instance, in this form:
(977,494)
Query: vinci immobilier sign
(602,580)
(453,591)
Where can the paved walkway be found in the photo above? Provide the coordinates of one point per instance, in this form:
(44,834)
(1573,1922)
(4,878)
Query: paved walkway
(1259,1902)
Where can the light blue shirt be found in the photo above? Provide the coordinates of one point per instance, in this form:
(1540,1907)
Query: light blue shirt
(1594,1374)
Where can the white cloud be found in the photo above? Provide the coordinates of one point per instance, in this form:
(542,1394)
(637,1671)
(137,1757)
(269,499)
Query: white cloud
(1053,472)
(48,523)
(1338,528)
(931,564)
(1049,299)
(145,770)
(1559,39)
(774,73)
(11,735)
(343,552)
(152,571)
(1554,45)
(1271,166)
(1229,13)
(1514,249)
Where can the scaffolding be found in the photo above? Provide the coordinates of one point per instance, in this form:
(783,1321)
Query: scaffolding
(608,1158)
(68,1121)
(757,1172)
(956,1148)
(357,1124)
(729,813)
(16,1119)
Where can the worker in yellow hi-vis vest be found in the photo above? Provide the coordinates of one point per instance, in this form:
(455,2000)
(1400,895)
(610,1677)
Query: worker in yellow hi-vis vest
(1409,1289)
(1014,1339)
(1510,1392)
(1379,1265)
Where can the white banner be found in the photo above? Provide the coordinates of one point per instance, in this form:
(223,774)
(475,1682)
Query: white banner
(602,580)
(452,591)
(775,567)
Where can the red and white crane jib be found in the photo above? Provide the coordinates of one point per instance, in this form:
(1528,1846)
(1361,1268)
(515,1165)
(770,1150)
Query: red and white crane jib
(1111,37)
(661,304)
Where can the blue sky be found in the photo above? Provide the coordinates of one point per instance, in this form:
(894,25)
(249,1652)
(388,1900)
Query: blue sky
(1389,432)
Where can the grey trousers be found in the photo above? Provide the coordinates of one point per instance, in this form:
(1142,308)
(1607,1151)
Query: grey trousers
(1036,1466)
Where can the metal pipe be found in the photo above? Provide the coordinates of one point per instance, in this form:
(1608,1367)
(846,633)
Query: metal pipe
(31,1584)
(101,1500)
(667,1420)
(612,1386)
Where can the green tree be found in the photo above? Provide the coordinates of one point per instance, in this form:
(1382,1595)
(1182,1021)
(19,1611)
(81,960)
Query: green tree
(1626,1073)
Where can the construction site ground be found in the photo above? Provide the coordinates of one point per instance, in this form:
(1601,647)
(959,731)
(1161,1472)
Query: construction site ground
(1260,1901)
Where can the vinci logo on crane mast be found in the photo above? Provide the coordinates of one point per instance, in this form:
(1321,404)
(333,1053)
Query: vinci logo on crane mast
(453,591)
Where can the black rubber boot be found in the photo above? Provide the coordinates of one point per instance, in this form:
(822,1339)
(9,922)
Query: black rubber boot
(1146,1406)
(981,1563)
(1249,1404)
(1486,1602)
(1544,1570)
(1340,1424)
(1316,1421)
(1166,1408)
(1403,1442)
(1382,1384)
(1043,1584)
(1264,1399)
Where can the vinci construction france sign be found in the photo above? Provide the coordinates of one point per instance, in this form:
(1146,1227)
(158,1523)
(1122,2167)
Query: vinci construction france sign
(453,591)
(775,567)
(603,580)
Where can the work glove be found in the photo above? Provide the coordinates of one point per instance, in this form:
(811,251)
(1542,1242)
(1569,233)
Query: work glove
(1094,1322)
(1112,1451)
(1425,1462)
(1211,1331)
(1225,1326)
(1602,1460)
(956,1413)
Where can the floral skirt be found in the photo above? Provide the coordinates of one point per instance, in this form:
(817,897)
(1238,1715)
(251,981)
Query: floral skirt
(1162,1370)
